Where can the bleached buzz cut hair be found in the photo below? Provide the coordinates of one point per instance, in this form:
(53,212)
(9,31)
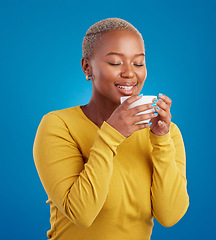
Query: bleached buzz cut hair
(95,31)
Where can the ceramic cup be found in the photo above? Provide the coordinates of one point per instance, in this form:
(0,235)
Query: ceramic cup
(141,101)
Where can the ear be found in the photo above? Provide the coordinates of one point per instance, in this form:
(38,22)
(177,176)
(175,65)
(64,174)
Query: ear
(86,66)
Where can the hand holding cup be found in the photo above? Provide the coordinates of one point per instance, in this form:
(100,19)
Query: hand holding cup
(161,124)
(125,118)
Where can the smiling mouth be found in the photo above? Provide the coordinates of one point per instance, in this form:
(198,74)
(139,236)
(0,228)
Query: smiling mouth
(126,88)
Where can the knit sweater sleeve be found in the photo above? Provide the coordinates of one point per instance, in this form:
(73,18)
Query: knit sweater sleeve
(168,192)
(78,190)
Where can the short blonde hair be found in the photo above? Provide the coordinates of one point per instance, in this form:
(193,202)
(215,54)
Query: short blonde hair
(95,31)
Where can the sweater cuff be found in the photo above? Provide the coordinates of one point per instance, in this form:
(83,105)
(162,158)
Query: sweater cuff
(159,140)
(112,132)
(110,136)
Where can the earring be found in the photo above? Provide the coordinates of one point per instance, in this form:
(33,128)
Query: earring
(88,78)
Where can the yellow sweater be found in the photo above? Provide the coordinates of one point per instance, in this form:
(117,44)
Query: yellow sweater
(102,185)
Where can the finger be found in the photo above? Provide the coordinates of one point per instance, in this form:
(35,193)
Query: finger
(161,104)
(141,108)
(166,99)
(129,101)
(161,124)
(140,126)
(163,114)
(142,117)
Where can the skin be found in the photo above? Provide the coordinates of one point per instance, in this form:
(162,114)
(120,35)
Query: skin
(119,59)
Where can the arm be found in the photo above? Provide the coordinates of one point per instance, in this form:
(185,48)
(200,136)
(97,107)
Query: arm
(78,190)
(169,193)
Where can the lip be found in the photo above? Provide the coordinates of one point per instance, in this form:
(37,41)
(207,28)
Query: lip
(128,84)
(126,92)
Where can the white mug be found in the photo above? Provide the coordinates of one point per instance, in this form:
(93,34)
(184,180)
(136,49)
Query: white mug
(141,101)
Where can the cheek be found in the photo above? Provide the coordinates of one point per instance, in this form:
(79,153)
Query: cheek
(106,73)
(142,76)
(140,85)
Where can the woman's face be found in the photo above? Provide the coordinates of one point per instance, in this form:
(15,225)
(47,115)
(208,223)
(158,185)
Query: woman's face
(118,66)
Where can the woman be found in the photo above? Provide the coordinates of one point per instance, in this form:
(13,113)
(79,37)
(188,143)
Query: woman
(106,176)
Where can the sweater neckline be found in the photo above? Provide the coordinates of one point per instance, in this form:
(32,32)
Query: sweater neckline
(95,126)
(86,118)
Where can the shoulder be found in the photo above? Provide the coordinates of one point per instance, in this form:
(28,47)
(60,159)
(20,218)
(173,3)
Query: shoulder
(67,115)
(61,119)
(60,123)
(70,120)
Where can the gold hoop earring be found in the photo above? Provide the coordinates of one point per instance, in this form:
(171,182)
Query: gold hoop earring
(88,78)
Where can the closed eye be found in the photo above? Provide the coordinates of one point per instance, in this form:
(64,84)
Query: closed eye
(138,65)
(114,64)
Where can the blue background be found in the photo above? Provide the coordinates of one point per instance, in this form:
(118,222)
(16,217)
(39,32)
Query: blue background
(40,71)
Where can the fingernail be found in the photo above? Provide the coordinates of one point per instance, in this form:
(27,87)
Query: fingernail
(160,94)
(154,104)
(140,95)
(157,108)
(155,113)
(156,100)
(150,123)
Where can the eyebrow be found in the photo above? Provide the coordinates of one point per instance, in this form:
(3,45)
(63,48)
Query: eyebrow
(120,54)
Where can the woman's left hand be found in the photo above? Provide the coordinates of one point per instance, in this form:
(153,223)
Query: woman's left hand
(161,124)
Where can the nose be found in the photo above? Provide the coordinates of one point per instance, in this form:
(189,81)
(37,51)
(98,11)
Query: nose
(127,71)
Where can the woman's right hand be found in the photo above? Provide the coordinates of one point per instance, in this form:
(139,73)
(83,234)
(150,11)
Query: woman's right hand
(124,120)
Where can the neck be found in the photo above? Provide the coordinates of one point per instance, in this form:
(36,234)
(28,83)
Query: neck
(98,110)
